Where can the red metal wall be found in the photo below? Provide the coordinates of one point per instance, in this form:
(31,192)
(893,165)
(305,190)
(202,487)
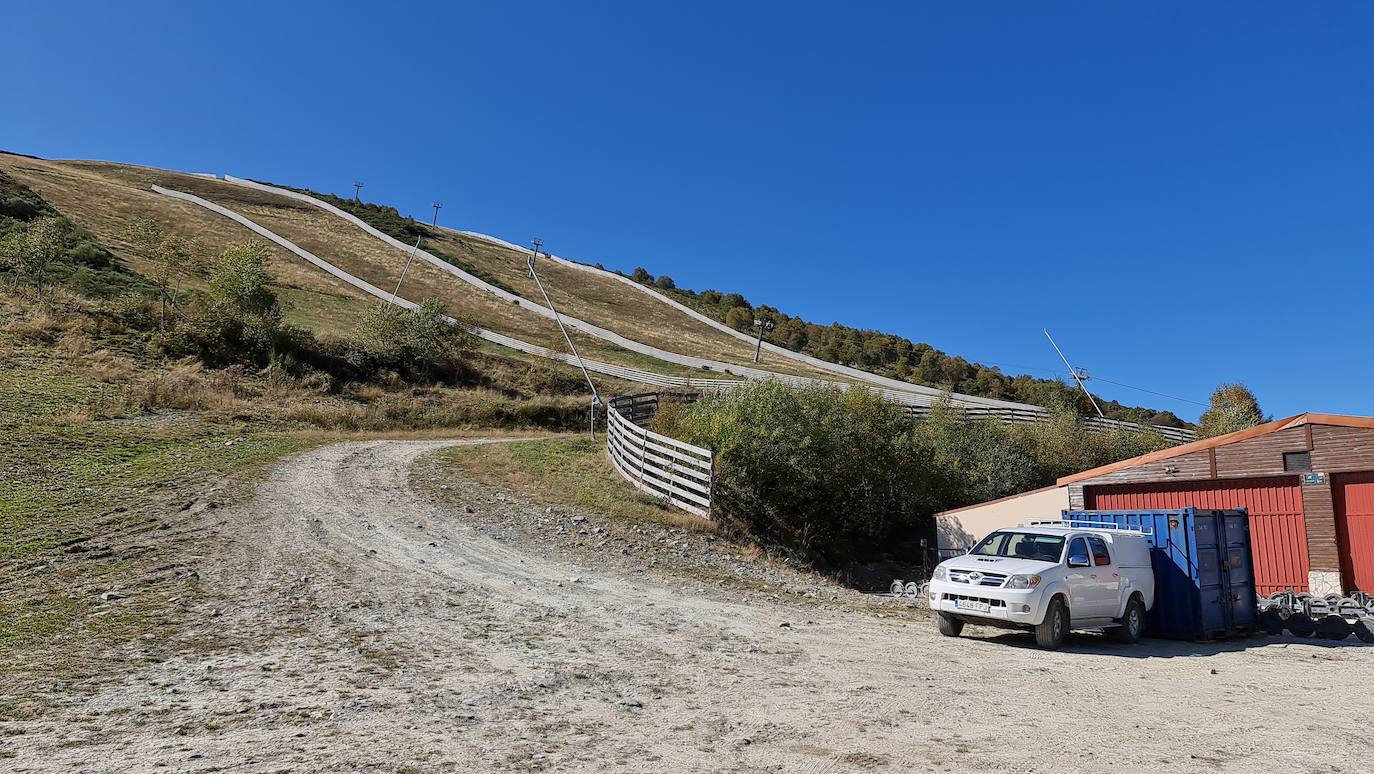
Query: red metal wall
(1354,493)
(1278,534)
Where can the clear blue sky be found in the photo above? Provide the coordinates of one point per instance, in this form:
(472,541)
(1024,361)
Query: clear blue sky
(1183,194)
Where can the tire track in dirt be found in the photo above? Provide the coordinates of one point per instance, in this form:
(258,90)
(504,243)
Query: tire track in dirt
(351,623)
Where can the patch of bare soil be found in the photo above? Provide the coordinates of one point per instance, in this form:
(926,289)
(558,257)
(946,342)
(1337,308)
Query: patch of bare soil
(351,622)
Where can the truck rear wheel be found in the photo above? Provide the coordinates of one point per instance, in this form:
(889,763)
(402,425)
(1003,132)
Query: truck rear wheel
(1132,623)
(1052,632)
(948,624)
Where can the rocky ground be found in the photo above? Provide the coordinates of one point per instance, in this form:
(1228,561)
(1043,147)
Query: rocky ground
(370,610)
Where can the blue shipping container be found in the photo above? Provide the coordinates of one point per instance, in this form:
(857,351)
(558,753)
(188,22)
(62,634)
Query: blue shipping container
(1204,576)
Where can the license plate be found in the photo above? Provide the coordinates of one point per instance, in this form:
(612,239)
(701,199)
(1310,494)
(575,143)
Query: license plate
(968,604)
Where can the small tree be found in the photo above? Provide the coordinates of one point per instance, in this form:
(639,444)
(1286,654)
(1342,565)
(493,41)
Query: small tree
(740,318)
(420,341)
(32,250)
(664,282)
(1233,407)
(641,274)
(171,256)
(240,284)
(240,319)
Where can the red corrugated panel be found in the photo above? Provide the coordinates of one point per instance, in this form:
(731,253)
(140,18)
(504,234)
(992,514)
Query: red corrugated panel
(1354,494)
(1278,534)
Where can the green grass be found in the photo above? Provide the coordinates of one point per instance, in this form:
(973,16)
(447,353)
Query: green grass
(322,313)
(81,501)
(571,472)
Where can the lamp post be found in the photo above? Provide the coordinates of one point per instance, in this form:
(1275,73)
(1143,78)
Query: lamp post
(762,325)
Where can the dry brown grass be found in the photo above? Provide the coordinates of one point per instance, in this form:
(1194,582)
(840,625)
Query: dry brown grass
(570,471)
(105,197)
(418,409)
(612,305)
(188,386)
(109,368)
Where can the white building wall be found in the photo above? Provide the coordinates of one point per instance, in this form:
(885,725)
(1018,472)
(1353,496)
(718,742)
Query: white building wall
(958,528)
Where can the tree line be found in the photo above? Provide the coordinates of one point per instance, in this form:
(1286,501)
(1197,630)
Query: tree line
(895,356)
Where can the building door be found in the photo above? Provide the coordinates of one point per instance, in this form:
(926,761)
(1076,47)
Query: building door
(1354,494)
(1278,534)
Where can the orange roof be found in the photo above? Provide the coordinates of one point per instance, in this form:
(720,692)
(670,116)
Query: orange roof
(1299,420)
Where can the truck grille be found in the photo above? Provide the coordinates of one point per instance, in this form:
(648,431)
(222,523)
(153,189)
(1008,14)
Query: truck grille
(990,579)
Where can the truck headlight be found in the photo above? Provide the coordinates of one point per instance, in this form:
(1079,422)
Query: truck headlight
(940,574)
(1023,581)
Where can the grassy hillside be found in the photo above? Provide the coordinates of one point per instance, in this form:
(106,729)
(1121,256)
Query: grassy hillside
(598,300)
(103,196)
(610,304)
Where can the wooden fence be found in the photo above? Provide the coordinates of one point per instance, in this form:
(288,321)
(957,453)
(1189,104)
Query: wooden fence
(676,472)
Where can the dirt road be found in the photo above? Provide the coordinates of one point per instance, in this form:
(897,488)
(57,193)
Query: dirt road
(360,625)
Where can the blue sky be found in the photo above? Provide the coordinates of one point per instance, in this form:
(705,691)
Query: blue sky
(1182,193)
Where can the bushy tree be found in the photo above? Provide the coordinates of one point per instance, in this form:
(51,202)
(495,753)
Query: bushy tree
(419,342)
(1233,407)
(172,258)
(641,274)
(740,318)
(664,282)
(828,475)
(819,473)
(239,319)
(31,251)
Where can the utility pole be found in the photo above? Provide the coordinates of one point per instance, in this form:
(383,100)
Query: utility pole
(414,250)
(357,189)
(1078,376)
(762,325)
(596,396)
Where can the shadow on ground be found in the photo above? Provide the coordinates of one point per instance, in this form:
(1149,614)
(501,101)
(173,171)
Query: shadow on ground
(1090,644)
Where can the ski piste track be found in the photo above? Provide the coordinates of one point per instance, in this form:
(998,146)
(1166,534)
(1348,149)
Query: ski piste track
(915,398)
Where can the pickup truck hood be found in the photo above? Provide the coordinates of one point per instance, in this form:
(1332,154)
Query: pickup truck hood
(1007,565)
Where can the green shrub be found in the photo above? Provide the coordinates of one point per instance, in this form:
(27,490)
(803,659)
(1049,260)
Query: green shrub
(820,474)
(831,476)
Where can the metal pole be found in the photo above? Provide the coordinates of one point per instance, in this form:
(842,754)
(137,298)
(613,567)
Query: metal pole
(762,325)
(1076,377)
(413,251)
(596,396)
(357,189)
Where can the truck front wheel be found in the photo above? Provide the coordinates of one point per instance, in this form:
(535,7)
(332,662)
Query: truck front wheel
(1052,632)
(948,624)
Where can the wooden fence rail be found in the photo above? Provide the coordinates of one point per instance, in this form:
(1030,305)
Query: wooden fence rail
(676,472)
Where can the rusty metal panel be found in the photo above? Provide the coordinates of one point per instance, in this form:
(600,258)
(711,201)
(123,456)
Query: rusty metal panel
(1277,529)
(1354,494)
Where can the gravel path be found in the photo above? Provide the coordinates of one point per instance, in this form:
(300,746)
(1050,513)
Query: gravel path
(359,624)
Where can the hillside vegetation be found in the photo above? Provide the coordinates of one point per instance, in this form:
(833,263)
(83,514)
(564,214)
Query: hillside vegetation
(316,299)
(607,303)
(829,477)
(895,356)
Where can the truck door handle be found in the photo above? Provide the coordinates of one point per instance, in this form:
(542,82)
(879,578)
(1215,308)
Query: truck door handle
(1116,575)
(1094,577)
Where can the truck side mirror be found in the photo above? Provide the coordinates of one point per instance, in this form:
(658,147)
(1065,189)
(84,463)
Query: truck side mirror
(1079,560)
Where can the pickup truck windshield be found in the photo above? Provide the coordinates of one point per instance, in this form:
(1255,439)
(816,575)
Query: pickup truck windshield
(1022,545)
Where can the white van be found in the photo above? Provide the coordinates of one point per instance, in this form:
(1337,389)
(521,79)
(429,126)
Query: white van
(1049,577)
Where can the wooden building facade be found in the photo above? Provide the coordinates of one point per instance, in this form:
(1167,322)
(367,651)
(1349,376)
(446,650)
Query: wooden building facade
(1307,481)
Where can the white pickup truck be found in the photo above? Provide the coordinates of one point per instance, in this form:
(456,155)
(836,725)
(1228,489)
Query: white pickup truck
(1048,577)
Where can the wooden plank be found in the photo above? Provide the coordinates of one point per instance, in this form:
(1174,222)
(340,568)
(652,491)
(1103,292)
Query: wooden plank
(662,481)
